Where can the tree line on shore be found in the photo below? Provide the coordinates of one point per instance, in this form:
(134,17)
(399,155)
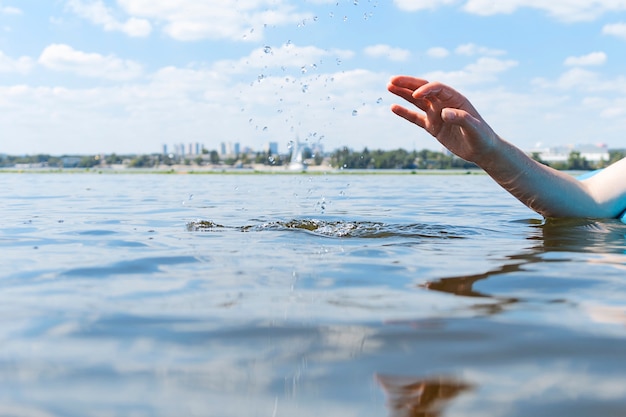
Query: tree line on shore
(343,158)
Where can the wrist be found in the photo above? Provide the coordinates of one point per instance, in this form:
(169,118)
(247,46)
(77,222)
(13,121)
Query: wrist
(493,153)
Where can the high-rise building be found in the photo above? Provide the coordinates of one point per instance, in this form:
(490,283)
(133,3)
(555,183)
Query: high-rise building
(271,148)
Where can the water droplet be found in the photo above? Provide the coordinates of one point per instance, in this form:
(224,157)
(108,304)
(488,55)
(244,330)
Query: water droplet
(303,69)
(380,100)
(331,15)
(338,61)
(345,18)
(355,113)
(290,144)
(267,49)
(305,88)
(265,128)
(356,2)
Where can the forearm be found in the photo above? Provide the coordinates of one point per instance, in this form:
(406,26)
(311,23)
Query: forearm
(454,122)
(549,192)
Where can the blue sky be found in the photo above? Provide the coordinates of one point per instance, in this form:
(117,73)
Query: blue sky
(126,76)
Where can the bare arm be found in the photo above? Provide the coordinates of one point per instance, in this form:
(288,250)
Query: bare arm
(453,121)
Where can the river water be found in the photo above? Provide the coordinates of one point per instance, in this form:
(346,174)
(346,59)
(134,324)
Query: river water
(303,295)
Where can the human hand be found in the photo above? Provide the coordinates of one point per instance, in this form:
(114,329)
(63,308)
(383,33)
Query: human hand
(445,114)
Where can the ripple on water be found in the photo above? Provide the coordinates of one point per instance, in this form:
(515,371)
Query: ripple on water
(346,229)
(133,266)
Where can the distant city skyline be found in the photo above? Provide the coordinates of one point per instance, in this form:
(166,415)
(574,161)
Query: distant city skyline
(127,76)
(233,148)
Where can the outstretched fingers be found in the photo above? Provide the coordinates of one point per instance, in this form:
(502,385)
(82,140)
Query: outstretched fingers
(432,98)
(412,116)
(405,81)
(403,92)
(441,96)
(405,87)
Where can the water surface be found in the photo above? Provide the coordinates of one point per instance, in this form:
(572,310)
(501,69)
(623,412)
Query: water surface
(298,295)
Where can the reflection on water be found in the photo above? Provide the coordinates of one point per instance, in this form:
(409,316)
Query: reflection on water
(574,236)
(408,397)
(579,235)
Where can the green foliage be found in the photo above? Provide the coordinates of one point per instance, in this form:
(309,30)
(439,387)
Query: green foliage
(616,155)
(318,158)
(143,161)
(88,162)
(113,159)
(577,162)
(397,159)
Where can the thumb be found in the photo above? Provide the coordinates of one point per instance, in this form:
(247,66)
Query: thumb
(460,118)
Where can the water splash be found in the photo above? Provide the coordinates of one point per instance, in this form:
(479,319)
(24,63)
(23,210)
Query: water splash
(345,229)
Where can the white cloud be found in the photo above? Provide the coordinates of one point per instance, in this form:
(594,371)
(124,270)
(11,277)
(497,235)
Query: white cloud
(285,56)
(471,49)
(579,79)
(416,5)
(568,10)
(204,105)
(10,10)
(483,70)
(438,52)
(60,57)
(615,29)
(98,13)
(491,66)
(189,20)
(20,65)
(386,51)
(592,59)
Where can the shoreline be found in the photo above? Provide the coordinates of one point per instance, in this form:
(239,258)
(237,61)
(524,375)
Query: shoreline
(262,170)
